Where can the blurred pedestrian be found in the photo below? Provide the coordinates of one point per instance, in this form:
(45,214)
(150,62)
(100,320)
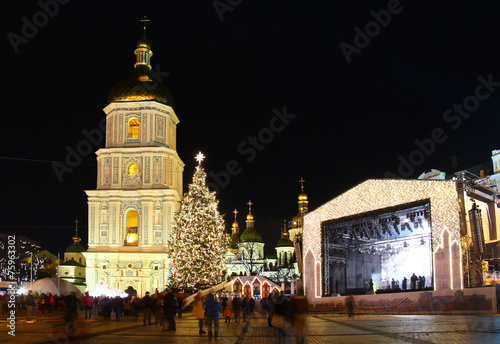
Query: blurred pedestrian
(88,302)
(157,303)
(147,306)
(117,305)
(300,309)
(42,303)
(244,308)
(50,303)
(199,312)
(169,307)
(236,308)
(227,313)
(281,315)
(349,303)
(180,299)
(212,313)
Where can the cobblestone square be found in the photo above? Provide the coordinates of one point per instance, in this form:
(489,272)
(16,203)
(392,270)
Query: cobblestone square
(321,328)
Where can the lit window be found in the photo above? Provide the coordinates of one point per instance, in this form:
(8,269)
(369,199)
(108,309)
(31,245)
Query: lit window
(133,128)
(132,169)
(132,238)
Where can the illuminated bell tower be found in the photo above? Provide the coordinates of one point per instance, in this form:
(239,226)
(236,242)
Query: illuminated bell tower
(139,184)
(296,224)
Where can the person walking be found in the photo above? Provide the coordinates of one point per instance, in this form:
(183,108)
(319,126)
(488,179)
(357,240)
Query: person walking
(50,303)
(180,299)
(212,312)
(349,303)
(41,303)
(199,312)
(236,308)
(117,305)
(251,306)
(281,315)
(169,307)
(147,306)
(244,308)
(227,313)
(88,302)
(157,303)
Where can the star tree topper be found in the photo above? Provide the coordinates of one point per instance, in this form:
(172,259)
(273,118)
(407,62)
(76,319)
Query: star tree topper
(199,158)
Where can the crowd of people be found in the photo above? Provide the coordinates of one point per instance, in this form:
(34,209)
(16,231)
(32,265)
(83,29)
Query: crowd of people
(35,303)
(162,308)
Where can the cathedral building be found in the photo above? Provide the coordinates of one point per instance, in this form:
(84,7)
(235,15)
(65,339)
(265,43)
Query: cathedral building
(139,184)
(246,254)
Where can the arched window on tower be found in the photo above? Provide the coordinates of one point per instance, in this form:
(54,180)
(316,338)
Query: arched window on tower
(131,237)
(133,128)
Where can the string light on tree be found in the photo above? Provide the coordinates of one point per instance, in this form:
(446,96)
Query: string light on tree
(199,242)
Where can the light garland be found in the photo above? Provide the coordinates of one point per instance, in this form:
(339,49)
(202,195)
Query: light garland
(375,194)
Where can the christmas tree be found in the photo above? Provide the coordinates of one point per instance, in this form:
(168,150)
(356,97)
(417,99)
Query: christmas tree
(199,242)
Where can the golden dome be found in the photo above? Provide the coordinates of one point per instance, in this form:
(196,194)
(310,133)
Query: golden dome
(302,197)
(250,217)
(142,85)
(235,226)
(297,218)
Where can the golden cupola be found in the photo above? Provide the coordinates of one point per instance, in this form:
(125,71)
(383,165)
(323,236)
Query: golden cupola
(284,240)
(76,246)
(142,85)
(303,202)
(235,237)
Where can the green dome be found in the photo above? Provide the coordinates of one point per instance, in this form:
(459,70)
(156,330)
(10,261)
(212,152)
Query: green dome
(250,235)
(284,242)
(235,239)
(76,247)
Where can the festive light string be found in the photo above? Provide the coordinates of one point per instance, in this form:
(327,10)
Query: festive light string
(375,194)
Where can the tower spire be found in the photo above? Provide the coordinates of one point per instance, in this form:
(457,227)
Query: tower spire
(284,232)
(143,51)
(250,221)
(302,197)
(145,20)
(76,238)
(236,226)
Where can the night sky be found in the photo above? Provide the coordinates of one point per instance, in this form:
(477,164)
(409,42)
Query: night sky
(347,106)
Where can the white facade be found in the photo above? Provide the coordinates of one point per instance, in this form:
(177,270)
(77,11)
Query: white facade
(139,188)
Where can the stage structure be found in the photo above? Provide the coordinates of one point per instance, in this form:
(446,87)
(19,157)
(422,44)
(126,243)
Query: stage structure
(378,250)
(384,229)
(397,243)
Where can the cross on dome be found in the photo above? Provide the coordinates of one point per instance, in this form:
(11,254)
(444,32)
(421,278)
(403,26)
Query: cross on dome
(249,207)
(199,157)
(302,183)
(145,20)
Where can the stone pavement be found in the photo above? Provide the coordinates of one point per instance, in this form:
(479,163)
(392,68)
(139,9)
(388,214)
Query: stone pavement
(321,328)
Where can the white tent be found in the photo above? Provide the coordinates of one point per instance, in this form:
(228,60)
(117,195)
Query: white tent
(49,285)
